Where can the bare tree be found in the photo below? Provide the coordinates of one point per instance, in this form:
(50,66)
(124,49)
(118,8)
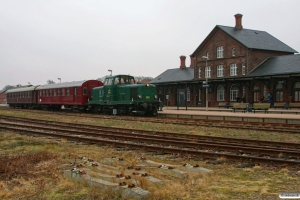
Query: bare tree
(102,78)
(50,82)
(7,87)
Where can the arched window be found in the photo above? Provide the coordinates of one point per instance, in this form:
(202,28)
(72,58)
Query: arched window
(297,91)
(279,92)
(220,93)
(199,72)
(234,92)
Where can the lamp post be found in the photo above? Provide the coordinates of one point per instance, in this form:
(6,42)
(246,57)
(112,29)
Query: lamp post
(206,76)
(110,71)
(59,80)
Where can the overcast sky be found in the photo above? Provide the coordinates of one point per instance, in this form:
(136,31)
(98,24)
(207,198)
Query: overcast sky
(81,40)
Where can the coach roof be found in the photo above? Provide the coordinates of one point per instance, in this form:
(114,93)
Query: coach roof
(61,85)
(21,89)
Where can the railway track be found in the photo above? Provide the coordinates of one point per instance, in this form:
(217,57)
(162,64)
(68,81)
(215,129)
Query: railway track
(206,147)
(259,126)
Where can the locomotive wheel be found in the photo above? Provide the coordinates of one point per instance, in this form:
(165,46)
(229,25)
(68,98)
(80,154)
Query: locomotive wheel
(154,111)
(95,110)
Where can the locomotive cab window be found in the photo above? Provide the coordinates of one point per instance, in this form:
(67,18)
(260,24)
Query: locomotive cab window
(131,80)
(117,81)
(108,81)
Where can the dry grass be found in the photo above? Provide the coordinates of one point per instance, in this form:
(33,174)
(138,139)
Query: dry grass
(30,168)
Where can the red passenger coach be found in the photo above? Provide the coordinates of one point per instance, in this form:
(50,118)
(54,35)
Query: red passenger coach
(25,97)
(72,95)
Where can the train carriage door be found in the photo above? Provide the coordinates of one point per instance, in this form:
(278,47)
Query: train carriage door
(75,94)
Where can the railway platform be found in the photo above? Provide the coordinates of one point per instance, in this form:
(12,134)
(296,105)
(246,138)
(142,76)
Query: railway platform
(214,113)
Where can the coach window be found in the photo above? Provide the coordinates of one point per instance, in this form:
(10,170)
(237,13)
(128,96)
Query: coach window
(50,93)
(58,92)
(43,92)
(68,91)
(84,91)
(54,92)
(63,92)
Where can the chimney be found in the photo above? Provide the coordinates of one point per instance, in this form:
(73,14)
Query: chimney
(238,21)
(192,61)
(182,62)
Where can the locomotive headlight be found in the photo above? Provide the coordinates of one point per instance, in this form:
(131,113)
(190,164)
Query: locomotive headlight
(139,96)
(147,84)
(155,96)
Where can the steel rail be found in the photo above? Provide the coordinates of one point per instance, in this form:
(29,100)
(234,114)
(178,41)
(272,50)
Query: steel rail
(197,138)
(174,141)
(160,149)
(262,126)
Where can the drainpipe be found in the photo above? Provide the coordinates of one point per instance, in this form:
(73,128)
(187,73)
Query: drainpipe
(247,58)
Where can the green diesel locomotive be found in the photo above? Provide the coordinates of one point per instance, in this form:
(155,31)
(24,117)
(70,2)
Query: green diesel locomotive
(121,95)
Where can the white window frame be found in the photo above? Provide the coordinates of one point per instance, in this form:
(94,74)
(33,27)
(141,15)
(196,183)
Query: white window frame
(199,72)
(233,70)
(207,72)
(220,52)
(220,71)
(220,93)
(233,51)
(243,69)
(234,92)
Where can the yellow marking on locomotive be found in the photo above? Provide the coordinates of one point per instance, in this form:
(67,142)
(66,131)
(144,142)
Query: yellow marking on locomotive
(147,97)
(108,91)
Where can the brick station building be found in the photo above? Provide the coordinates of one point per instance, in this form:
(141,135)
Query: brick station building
(239,64)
